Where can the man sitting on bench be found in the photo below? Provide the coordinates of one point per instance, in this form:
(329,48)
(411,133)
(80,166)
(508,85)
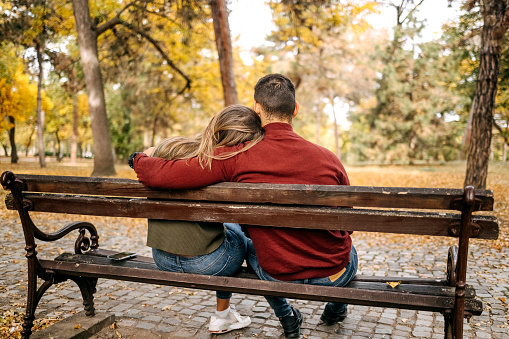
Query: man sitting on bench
(319,257)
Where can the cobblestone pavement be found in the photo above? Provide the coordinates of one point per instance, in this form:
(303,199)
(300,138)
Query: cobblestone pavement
(153,311)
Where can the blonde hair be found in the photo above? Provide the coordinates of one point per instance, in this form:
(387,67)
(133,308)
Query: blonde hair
(233,125)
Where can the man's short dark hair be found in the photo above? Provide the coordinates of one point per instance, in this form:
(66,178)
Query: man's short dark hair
(276,95)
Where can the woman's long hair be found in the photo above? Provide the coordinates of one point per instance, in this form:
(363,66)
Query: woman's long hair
(233,125)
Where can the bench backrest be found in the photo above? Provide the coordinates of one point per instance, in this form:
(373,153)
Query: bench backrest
(370,209)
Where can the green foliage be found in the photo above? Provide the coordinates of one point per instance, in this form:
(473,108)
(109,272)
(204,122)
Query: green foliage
(126,128)
(321,46)
(411,116)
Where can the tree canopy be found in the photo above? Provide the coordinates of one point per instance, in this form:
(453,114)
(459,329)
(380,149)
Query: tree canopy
(407,100)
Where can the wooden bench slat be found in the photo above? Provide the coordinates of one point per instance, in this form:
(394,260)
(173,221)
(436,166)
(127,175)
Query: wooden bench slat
(408,222)
(317,195)
(407,285)
(144,272)
(403,280)
(361,278)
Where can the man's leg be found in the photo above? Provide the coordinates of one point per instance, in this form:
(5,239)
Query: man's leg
(336,312)
(290,317)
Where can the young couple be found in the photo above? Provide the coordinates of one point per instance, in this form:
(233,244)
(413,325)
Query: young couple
(255,146)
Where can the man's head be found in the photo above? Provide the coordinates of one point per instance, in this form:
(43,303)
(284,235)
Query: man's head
(274,97)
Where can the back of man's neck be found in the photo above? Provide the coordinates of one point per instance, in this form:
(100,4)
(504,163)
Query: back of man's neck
(266,122)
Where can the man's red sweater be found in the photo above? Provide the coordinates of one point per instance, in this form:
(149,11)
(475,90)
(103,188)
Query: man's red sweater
(282,157)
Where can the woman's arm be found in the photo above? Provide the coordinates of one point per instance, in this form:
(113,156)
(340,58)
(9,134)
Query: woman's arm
(178,174)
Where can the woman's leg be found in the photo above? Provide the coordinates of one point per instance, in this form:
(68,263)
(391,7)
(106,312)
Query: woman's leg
(238,247)
(226,260)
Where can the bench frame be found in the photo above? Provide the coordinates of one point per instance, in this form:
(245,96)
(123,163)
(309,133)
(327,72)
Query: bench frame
(452,296)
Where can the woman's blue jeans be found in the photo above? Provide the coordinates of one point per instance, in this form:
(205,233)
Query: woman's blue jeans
(224,261)
(280,305)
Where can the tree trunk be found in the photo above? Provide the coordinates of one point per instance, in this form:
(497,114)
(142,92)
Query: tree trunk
(336,133)
(58,150)
(12,132)
(496,20)
(224,50)
(318,123)
(87,41)
(40,112)
(504,154)
(74,145)
(29,142)
(154,130)
(467,134)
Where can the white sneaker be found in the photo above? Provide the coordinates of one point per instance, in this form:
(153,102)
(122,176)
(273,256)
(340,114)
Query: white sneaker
(233,321)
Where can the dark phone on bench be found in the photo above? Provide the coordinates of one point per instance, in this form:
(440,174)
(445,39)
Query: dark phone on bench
(122,256)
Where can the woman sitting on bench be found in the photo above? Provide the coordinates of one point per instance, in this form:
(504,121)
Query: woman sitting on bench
(209,248)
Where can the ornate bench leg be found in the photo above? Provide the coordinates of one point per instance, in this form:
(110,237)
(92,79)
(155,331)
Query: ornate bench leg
(448,321)
(28,319)
(32,301)
(87,288)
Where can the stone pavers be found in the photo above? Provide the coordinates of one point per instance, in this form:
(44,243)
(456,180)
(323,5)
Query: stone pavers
(153,311)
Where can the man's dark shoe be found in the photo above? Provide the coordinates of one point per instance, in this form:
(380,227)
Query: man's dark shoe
(330,318)
(291,324)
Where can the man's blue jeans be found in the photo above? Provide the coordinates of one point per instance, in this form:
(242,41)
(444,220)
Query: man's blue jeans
(280,305)
(224,261)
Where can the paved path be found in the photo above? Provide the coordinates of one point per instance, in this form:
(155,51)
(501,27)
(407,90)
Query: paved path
(153,311)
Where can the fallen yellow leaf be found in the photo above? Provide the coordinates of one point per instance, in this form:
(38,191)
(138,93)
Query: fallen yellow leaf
(393,284)
(77,326)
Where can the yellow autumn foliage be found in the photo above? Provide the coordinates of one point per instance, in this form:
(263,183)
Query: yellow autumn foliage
(18,94)
(17,98)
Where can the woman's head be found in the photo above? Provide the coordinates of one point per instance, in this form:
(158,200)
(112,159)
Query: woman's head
(175,147)
(233,125)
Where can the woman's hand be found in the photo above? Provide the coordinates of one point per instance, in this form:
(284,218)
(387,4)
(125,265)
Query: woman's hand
(149,151)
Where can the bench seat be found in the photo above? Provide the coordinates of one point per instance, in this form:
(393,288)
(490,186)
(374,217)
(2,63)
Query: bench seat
(421,294)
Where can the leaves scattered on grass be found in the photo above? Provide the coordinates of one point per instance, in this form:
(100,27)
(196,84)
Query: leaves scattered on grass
(11,323)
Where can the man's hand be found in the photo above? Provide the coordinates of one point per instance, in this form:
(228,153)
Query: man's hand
(149,151)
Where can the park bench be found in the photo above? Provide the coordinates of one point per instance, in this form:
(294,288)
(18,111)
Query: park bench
(414,211)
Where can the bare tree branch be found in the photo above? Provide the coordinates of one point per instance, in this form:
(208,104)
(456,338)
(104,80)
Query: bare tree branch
(114,21)
(413,10)
(501,131)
